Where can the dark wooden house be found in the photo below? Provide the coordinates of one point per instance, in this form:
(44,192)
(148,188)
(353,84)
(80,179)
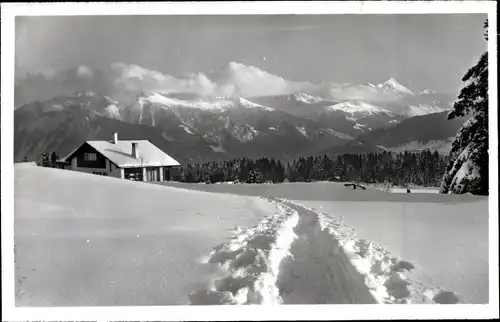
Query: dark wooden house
(138,160)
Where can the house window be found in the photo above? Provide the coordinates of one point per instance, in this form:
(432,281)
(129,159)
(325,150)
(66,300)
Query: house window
(90,156)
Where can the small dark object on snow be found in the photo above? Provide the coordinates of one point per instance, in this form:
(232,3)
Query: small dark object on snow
(354,186)
(408,190)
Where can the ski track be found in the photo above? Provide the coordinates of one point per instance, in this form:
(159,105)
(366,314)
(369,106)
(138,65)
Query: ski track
(303,256)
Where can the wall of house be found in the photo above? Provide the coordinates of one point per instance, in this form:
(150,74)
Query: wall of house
(98,163)
(110,169)
(148,173)
(114,170)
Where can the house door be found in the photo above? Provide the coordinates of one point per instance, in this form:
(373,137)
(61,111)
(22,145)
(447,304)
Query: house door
(152,174)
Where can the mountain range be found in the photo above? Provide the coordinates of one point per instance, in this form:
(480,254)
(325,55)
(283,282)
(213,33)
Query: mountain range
(241,111)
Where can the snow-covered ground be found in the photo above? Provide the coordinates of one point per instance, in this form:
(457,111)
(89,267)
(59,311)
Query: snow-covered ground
(447,243)
(327,191)
(413,188)
(89,240)
(83,239)
(445,237)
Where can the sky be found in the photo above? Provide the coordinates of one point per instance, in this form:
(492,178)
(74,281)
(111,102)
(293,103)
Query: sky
(419,51)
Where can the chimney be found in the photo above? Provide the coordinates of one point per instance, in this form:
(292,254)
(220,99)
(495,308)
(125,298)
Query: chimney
(115,138)
(135,150)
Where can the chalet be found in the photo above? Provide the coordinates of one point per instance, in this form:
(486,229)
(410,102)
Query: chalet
(138,160)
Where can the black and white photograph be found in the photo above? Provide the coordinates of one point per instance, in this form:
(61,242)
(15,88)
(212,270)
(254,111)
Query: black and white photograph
(212,158)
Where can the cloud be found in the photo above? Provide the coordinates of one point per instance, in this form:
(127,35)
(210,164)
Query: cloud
(236,80)
(119,80)
(249,81)
(362,92)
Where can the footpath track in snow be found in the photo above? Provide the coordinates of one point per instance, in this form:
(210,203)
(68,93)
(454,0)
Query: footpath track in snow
(303,256)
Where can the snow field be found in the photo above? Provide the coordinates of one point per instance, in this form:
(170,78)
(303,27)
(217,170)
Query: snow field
(90,240)
(444,236)
(413,188)
(85,240)
(446,242)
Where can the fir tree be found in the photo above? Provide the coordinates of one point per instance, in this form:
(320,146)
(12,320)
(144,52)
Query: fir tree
(467,170)
(280,172)
(255,176)
(44,160)
(53,159)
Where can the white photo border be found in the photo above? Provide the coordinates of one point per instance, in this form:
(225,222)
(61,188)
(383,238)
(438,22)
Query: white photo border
(235,313)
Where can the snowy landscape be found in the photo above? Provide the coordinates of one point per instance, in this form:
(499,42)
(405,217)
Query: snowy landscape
(304,169)
(317,243)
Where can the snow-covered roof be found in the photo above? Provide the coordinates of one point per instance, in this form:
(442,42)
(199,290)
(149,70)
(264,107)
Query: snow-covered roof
(120,153)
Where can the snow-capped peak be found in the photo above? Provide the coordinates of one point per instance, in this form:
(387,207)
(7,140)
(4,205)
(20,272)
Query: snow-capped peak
(358,108)
(392,85)
(306,98)
(246,103)
(163,100)
(427,91)
(422,109)
(215,104)
(392,82)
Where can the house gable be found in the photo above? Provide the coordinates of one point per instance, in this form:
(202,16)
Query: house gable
(88,157)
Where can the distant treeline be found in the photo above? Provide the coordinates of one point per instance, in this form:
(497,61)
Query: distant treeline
(424,168)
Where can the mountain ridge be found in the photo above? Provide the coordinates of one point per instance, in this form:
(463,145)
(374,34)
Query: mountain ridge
(292,119)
